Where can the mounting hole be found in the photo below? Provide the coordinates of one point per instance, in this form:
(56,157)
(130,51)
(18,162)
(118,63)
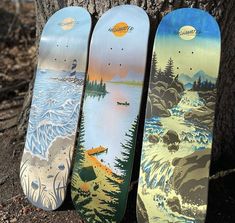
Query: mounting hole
(64,60)
(120,65)
(55,59)
(191,68)
(122,49)
(111,48)
(57,45)
(109,64)
(192,52)
(67,46)
(179,51)
(178,68)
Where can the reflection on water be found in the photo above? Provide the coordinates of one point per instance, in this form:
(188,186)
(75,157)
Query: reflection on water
(106,122)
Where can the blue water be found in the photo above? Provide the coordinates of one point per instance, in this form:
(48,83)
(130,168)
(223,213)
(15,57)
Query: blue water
(54,110)
(106,123)
(157,159)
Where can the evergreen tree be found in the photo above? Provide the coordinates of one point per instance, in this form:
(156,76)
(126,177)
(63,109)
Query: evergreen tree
(88,79)
(80,145)
(153,70)
(101,85)
(194,88)
(112,213)
(169,73)
(206,85)
(124,164)
(160,74)
(104,88)
(94,87)
(199,82)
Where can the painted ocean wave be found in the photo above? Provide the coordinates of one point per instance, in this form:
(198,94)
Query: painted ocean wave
(54,111)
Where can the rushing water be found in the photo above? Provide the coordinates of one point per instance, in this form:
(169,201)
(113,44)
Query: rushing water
(54,111)
(156,166)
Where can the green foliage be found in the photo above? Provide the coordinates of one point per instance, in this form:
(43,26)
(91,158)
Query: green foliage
(112,213)
(94,87)
(153,70)
(158,75)
(117,197)
(169,73)
(198,85)
(124,164)
(80,144)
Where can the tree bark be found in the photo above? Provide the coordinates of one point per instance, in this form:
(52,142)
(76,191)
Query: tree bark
(223,155)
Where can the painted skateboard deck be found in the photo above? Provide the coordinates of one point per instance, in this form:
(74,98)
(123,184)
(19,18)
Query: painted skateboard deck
(106,145)
(176,150)
(55,108)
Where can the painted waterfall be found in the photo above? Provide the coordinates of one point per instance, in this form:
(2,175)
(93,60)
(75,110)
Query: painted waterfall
(177,143)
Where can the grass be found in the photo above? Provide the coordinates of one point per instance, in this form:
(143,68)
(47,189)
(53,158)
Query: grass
(133,83)
(39,196)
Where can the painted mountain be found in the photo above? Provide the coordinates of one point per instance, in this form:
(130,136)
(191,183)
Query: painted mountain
(131,77)
(186,79)
(178,133)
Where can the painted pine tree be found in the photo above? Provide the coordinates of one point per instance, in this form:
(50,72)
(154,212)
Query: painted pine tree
(169,73)
(123,164)
(111,214)
(80,158)
(80,144)
(153,71)
(119,183)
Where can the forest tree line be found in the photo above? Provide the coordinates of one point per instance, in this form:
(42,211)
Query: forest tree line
(166,75)
(199,85)
(94,86)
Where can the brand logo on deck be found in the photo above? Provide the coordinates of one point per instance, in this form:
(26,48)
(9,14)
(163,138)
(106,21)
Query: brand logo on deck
(187,32)
(68,23)
(121,29)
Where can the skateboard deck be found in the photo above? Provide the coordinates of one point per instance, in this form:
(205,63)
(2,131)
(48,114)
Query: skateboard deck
(55,108)
(106,144)
(175,160)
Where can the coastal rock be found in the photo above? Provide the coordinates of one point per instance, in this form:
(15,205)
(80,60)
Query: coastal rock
(156,99)
(163,96)
(190,176)
(159,123)
(156,107)
(174,204)
(203,115)
(158,90)
(149,108)
(171,97)
(159,110)
(142,214)
(211,105)
(173,148)
(208,96)
(161,84)
(179,87)
(171,137)
(153,138)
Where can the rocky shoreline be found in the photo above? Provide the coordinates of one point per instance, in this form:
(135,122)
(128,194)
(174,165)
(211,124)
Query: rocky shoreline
(163,96)
(205,114)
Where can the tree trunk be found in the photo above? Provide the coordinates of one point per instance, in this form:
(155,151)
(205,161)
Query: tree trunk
(223,155)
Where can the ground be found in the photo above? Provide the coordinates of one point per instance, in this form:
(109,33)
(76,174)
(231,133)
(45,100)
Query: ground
(18,52)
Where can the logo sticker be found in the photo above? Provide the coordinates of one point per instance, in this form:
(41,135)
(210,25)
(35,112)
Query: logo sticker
(67,23)
(121,29)
(187,32)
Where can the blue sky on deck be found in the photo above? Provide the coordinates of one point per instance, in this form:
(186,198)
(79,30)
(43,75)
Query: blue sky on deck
(59,47)
(205,46)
